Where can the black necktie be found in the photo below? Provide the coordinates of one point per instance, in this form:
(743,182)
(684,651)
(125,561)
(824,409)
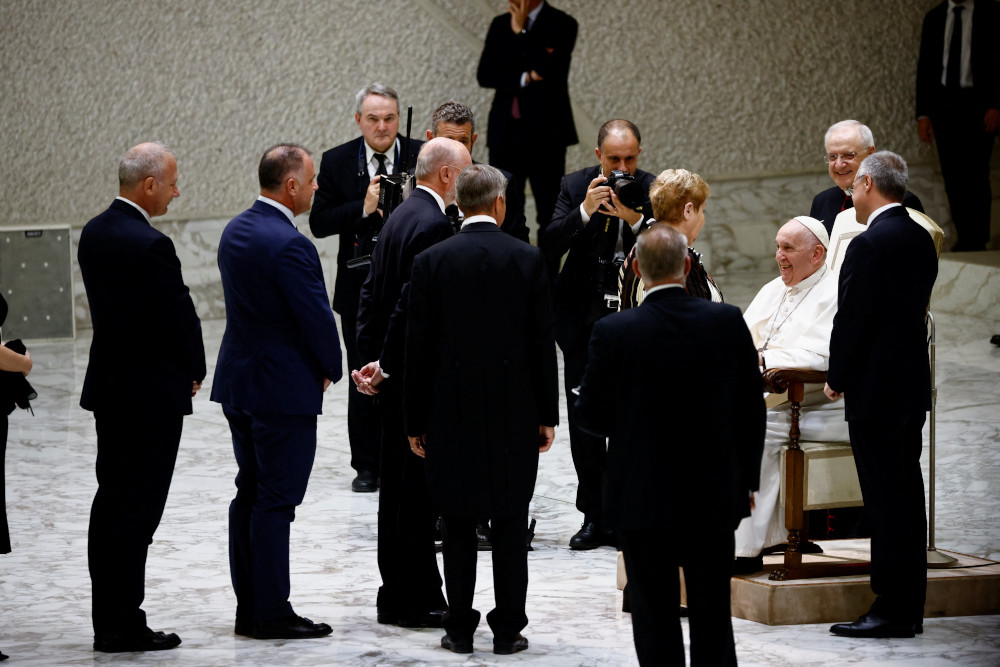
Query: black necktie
(954,76)
(381,164)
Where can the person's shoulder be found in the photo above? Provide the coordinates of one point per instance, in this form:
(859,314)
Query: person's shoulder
(585,175)
(557,14)
(344,151)
(829,193)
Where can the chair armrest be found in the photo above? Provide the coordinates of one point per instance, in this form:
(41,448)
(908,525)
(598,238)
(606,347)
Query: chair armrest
(778,380)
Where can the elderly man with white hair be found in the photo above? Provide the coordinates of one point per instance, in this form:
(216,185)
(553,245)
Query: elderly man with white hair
(790,320)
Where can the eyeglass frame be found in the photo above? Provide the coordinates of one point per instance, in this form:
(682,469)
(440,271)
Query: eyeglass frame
(850,190)
(829,158)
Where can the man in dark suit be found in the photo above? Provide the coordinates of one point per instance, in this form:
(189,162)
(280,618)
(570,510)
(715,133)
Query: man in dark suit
(674,384)
(279,354)
(526,58)
(481,395)
(147,361)
(958,106)
(456,121)
(410,595)
(598,230)
(347,205)
(879,340)
(846,144)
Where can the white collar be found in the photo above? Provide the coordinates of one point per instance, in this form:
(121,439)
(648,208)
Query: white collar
(437,197)
(877,212)
(664,286)
(145,213)
(479,218)
(390,155)
(810,282)
(281,207)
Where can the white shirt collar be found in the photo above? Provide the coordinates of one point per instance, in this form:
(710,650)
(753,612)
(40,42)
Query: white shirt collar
(879,210)
(479,218)
(281,207)
(137,207)
(390,155)
(809,282)
(437,197)
(664,286)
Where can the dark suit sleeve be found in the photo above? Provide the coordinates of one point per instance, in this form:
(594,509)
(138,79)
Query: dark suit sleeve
(163,273)
(514,222)
(749,411)
(333,211)
(594,407)
(300,276)
(567,223)
(506,55)
(543,346)
(855,302)
(417,373)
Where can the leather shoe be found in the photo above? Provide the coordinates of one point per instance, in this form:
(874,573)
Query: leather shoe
(290,627)
(745,565)
(590,536)
(146,640)
(872,625)
(456,645)
(3,657)
(519,643)
(365,482)
(429,619)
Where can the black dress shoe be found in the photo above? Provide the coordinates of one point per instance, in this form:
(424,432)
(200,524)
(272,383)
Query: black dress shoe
(995,339)
(456,645)
(290,627)
(519,643)
(744,565)
(872,625)
(590,536)
(365,482)
(429,619)
(3,657)
(147,640)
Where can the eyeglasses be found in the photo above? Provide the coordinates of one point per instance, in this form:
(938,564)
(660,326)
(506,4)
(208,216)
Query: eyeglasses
(850,190)
(846,157)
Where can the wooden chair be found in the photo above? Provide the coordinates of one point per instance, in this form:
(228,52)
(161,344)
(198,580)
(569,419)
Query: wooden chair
(808,470)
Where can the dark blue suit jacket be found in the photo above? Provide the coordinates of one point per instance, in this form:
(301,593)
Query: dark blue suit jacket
(147,348)
(878,347)
(281,338)
(674,384)
(414,226)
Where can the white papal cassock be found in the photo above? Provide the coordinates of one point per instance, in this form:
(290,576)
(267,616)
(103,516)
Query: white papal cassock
(791,325)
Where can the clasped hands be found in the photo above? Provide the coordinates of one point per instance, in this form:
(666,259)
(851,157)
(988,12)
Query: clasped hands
(368,378)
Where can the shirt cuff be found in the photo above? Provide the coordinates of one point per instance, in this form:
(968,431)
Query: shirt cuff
(381,370)
(583,215)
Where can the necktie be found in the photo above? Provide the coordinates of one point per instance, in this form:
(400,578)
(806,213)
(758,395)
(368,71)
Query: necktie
(381,164)
(954,77)
(848,202)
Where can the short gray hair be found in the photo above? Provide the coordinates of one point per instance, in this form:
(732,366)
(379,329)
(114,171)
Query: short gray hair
(142,161)
(375,89)
(888,173)
(478,186)
(864,133)
(454,113)
(661,250)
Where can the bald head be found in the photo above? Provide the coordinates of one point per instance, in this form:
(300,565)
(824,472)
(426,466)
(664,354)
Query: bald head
(438,164)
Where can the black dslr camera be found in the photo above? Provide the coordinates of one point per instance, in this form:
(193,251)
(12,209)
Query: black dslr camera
(629,191)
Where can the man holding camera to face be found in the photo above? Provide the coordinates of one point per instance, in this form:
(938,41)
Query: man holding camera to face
(346,204)
(599,213)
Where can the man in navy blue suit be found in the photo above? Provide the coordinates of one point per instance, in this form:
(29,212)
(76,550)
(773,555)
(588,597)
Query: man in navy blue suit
(279,353)
(410,595)
(879,340)
(147,361)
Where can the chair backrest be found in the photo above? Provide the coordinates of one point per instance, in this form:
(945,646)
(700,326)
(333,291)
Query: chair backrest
(846,227)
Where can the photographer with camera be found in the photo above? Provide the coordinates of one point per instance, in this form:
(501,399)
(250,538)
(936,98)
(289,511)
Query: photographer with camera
(346,204)
(599,213)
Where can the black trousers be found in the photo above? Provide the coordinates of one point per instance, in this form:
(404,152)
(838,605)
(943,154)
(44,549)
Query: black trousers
(965,148)
(362,418)
(589,451)
(654,589)
(4,529)
(510,575)
(411,581)
(275,455)
(136,452)
(887,454)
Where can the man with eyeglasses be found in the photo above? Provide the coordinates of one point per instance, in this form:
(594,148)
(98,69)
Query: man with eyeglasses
(410,595)
(847,143)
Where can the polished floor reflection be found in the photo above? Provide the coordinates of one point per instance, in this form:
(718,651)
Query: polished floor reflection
(573,606)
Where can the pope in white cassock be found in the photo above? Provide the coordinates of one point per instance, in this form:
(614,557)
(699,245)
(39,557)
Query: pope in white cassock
(790,320)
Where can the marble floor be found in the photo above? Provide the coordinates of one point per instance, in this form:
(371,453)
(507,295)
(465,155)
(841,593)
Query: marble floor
(573,604)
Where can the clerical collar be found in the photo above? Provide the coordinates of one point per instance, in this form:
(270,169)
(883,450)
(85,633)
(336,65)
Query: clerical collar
(810,282)
(145,213)
(390,155)
(877,212)
(437,197)
(281,207)
(479,218)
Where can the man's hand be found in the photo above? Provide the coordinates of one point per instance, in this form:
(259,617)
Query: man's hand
(925,130)
(597,196)
(753,500)
(830,393)
(620,210)
(518,14)
(195,386)
(546,434)
(368,378)
(371,196)
(417,445)
(326,384)
(991,121)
